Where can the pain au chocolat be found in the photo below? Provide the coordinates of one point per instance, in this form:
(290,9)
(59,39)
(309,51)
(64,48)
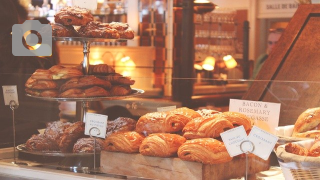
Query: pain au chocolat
(161,145)
(128,142)
(75,16)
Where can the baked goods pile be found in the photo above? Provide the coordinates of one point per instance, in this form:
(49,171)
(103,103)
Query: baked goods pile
(68,137)
(68,17)
(70,82)
(307,124)
(182,132)
(314,150)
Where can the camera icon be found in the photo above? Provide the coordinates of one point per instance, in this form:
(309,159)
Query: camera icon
(38,39)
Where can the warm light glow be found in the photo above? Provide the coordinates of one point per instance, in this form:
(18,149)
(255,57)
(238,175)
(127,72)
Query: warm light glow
(208,63)
(201,1)
(230,61)
(198,66)
(100,1)
(125,64)
(96,61)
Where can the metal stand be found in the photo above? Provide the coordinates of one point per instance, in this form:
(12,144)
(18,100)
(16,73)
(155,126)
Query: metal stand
(247,147)
(94,147)
(86,52)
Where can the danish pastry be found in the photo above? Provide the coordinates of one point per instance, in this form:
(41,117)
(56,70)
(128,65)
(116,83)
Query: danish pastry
(43,93)
(41,143)
(161,145)
(73,16)
(70,136)
(55,129)
(40,84)
(309,120)
(98,30)
(86,145)
(85,82)
(206,128)
(128,142)
(120,124)
(205,150)
(59,30)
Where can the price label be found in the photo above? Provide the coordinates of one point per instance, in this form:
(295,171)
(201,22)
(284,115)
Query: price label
(232,140)
(10,93)
(263,142)
(96,125)
(88,4)
(167,108)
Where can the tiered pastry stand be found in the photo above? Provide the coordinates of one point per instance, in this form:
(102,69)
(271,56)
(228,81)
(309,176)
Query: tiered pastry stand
(76,162)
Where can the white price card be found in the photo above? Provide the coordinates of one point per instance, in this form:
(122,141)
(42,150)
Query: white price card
(96,125)
(167,108)
(265,115)
(10,93)
(232,140)
(88,4)
(263,142)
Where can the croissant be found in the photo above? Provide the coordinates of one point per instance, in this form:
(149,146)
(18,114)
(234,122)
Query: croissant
(56,72)
(161,145)
(307,121)
(205,150)
(40,84)
(85,82)
(205,128)
(207,113)
(296,149)
(128,142)
(315,148)
(237,119)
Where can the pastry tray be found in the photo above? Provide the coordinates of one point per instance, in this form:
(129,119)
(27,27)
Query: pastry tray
(22,148)
(134,92)
(85,39)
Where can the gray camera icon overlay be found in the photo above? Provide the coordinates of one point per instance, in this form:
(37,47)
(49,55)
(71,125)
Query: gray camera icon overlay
(29,27)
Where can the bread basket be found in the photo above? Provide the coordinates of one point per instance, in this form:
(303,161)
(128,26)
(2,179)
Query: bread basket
(284,133)
(298,167)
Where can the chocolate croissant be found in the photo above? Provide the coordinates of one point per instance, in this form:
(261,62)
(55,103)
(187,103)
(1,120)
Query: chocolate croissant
(161,145)
(128,142)
(41,143)
(205,128)
(205,150)
(70,136)
(165,122)
(86,145)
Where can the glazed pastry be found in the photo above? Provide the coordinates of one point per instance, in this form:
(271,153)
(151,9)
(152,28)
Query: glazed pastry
(205,128)
(85,82)
(205,150)
(296,149)
(96,29)
(86,145)
(315,148)
(207,113)
(70,136)
(41,143)
(59,30)
(42,93)
(128,142)
(189,113)
(237,119)
(40,84)
(122,90)
(307,121)
(161,145)
(121,124)
(118,79)
(73,16)
(123,29)
(55,129)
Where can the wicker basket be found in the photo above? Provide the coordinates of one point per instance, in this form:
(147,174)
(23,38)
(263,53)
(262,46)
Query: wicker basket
(298,167)
(284,133)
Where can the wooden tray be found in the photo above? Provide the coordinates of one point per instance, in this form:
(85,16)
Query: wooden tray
(175,168)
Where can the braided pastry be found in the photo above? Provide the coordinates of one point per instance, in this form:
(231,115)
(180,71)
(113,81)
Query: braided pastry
(73,16)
